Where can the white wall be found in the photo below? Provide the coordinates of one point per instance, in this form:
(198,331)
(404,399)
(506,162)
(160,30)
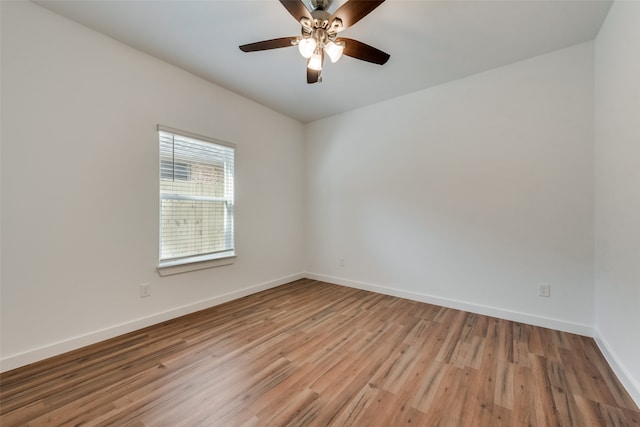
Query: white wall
(468,194)
(617,197)
(80,186)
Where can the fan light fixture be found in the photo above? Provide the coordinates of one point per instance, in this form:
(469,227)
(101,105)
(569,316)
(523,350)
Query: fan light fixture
(319,37)
(315,62)
(316,40)
(334,50)
(306,47)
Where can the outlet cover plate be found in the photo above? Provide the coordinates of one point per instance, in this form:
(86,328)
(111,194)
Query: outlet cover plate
(544,290)
(145,290)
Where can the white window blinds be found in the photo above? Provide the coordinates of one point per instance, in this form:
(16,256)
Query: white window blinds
(196,197)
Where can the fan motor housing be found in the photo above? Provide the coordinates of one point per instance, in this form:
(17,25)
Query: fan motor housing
(320,4)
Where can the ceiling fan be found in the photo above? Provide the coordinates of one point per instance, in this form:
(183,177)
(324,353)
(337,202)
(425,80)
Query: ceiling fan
(320,34)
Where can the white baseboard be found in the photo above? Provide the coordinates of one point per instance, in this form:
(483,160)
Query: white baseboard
(545,322)
(629,383)
(41,353)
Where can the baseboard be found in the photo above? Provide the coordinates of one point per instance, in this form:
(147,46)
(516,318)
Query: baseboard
(35,355)
(629,383)
(557,324)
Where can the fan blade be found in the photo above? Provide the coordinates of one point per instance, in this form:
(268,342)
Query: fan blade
(296,8)
(268,44)
(313,76)
(354,10)
(359,50)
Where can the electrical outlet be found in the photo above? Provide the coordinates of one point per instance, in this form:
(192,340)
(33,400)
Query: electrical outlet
(145,290)
(341,262)
(544,290)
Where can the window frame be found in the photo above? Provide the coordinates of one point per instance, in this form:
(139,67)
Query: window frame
(195,262)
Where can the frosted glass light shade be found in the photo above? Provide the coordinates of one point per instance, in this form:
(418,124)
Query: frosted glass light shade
(315,62)
(306,46)
(334,50)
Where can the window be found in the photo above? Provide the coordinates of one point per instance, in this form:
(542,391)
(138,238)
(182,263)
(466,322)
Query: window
(196,200)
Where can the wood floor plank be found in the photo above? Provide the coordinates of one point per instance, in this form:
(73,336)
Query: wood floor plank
(353,412)
(429,377)
(568,412)
(545,407)
(396,375)
(479,408)
(310,353)
(502,417)
(524,412)
(504,386)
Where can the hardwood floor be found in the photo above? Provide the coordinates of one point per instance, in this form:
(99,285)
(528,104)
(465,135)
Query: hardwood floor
(312,353)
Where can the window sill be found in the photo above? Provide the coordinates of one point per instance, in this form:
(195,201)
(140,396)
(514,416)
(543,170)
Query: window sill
(195,263)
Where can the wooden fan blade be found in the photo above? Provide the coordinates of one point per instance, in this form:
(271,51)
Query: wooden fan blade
(296,8)
(354,10)
(359,50)
(313,76)
(267,44)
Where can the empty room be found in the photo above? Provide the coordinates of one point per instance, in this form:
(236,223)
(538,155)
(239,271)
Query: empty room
(313,212)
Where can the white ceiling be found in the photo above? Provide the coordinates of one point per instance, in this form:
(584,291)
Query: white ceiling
(430,42)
